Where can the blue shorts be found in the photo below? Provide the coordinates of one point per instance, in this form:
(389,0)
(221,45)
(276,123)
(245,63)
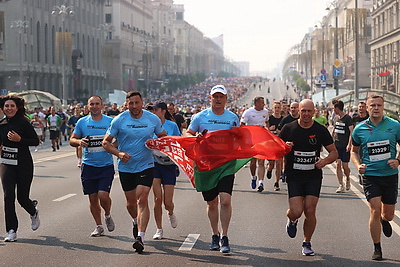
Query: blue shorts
(167,173)
(95,179)
(343,155)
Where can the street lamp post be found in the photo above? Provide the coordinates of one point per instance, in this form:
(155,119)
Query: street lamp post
(335,6)
(323,58)
(20,26)
(106,30)
(356,90)
(63,11)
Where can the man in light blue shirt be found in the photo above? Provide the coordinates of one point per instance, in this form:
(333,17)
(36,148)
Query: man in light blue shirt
(135,161)
(97,170)
(377,137)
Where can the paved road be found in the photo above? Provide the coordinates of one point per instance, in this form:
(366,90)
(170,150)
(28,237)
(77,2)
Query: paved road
(257,232)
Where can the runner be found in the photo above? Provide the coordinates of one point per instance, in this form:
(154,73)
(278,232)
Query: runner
(343,127)
(211,119)
(16,135)
(274,121)
(71,124)
(360,116)
(135,162)
(97,171)
(256,115)
(377,137)
(164,173)
(54,123)
(303,168)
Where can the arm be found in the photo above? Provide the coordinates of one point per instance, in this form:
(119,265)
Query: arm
(190,133)
(163,133)
(348,148)
(332,156)
(76,141)
(110,148)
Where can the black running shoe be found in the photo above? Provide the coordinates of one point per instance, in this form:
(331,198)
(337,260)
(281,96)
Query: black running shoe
(215,242)
(138,245)
(377,256)
(135,230)
(291,228)
(386,228)
(269,174)
(260,188)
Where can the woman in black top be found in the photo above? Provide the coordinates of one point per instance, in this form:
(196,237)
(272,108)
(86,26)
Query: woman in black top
(16,135)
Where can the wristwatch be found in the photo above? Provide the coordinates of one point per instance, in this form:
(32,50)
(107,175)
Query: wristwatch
(398,160)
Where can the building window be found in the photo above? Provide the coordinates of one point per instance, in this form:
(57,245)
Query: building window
(108,3)
(108,18)
(179,16)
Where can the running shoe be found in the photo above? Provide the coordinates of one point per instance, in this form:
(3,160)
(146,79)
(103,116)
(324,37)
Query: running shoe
(225,248)
(158,235)
(283,177)
(98,231)
(138,245)
(307,250)
(110,223)
(260,187)
(276,187)
(348,185)
(340,189)
(135,230)
(11,236)
(253,183)
(215,242)
(377,256)
(35,221)
(173,220)
(291,228)
(386,228)
(58,147)
(269,174)
(54,149)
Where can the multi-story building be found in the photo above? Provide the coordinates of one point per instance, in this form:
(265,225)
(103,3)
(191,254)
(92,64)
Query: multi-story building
(385,45)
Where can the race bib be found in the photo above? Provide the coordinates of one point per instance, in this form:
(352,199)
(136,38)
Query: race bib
(340,127)
(9,155)
(379,150)
(161,158)
(304,161)
(95,143)
(53,128)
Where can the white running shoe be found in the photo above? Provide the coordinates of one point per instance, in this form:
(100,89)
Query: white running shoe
(11,236)
(98,231)
(110,223)
(173,221)
(35,218)
(348,185)
(340,189)
(158,235)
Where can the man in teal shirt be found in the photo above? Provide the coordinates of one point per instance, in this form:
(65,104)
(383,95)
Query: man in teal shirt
(378,137)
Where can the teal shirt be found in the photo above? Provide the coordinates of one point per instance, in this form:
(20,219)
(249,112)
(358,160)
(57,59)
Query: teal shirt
(378,144)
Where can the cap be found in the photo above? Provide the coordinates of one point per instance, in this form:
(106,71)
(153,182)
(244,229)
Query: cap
(218,89)
(160,104)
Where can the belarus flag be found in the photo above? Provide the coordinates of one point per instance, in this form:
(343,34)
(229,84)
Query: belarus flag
(209,158)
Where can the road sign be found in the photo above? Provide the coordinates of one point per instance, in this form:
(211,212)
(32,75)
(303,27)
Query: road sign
(337,72)
(3,92)
(337,63)
(323,85)
(323,77)
(323,71)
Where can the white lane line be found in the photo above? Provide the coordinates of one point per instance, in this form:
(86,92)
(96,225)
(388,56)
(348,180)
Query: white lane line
(64,197)
(64,155)
(189,242)
(395,226)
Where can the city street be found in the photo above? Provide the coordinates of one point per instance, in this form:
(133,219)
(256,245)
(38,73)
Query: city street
(257,231)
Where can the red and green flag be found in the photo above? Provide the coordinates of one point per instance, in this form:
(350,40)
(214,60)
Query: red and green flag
(209,158)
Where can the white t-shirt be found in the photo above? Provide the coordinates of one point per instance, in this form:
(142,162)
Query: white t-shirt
(255,117)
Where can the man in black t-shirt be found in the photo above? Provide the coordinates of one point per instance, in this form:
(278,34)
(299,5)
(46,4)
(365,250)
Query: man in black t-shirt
(303,168)
(292,116)
(177,117)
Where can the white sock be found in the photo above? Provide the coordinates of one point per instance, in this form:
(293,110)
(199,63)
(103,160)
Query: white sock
(141,234)
(108,216)
(261,182)
(254,178)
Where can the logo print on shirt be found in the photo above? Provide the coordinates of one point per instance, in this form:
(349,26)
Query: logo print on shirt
(312,139)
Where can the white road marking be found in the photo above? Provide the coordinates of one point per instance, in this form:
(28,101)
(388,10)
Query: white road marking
(189,242)
(64,197)
(59,156)
(395,226)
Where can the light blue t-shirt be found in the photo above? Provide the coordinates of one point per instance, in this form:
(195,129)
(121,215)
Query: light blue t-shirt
(94,155)
(131,135)
(208,120)
(378,144)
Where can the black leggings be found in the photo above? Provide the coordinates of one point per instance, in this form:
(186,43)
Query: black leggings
(20,177)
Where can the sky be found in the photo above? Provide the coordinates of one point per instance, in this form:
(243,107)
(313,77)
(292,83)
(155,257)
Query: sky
(258,31)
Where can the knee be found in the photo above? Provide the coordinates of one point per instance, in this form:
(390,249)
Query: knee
(213,204)
(388,217)
(309,212)
(226,202)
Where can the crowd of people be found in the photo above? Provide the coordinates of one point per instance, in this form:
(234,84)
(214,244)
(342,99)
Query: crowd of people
(99,132)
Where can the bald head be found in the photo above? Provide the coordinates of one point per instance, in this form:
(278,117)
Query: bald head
(294,109)
(307,111)
(308,103)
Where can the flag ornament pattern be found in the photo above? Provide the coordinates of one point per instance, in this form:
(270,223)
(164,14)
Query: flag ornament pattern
(208,158)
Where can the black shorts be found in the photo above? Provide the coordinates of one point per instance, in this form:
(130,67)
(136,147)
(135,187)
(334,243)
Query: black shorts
(129,181)
(298,187)
(382,186)
(224,185)
(343,155)
(54,134)
(167,173)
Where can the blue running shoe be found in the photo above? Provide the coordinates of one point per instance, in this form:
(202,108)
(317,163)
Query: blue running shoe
(291,228)
(307,250)
(215,242)
(225,248)
(253,183)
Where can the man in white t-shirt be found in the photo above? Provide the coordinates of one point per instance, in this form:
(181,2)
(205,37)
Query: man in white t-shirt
(259,116)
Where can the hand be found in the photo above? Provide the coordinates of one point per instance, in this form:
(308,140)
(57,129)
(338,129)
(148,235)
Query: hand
(361,168)
(393,163)
(84,142)
(290,144)
(348,148)
(272,128)
(13,136)
(320,163)
(124,157)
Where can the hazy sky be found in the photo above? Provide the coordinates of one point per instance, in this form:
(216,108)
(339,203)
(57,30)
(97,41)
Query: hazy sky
(258,31)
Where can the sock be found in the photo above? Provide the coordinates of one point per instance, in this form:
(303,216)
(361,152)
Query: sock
(141,234)
(100,226)
(377,246)
(261,182)
(108,216)
(254,177)
(134,220)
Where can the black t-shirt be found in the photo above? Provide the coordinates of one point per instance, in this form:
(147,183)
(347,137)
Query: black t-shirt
(287,119)
(179,120)
(307,143)
(342,131)
(112,112)
(356,119)
(274,121)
